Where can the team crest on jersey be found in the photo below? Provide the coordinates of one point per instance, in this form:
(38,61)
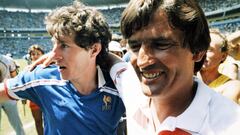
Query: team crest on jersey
(107,100)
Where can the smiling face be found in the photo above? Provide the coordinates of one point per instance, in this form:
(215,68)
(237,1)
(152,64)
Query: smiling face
(162,65)
(74,62)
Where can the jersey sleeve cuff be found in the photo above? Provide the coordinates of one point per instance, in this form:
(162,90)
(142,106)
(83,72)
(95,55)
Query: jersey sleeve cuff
(9,92)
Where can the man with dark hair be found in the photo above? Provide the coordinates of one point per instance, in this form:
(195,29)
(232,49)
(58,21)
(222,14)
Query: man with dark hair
(77,95)
(166,38)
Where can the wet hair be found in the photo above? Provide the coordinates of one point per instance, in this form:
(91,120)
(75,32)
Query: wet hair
(185,15)
(86,24)
(224,45)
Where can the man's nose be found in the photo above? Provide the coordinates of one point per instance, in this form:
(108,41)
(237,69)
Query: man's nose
(145,56)
(56,53)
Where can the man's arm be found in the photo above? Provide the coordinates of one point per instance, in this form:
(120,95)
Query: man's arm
(3,94)
(112,59)
(45,60)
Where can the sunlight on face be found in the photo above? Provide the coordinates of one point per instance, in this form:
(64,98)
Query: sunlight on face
(74,62)
(161,63)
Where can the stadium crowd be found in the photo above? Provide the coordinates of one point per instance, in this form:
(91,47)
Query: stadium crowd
(213,5)
(18,46)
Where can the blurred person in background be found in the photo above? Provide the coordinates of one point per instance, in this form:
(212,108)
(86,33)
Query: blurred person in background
(209,73)
(123,43)
(10,57)
(127,54)
(115,48)
(231,66)
(234,41)
(35,52)
(8,70)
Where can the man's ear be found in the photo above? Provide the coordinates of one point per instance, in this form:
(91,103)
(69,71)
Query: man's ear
(224,56)
(197,57)
(95,49)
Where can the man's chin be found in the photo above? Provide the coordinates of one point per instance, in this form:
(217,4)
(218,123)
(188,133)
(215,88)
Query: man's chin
(146,90)
(63,77)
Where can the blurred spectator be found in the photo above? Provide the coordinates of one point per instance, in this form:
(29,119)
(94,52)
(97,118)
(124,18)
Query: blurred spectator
(35,52)
(231,65)
(115,48)
(8,70)
(234,41)
(123,43)
(209,73)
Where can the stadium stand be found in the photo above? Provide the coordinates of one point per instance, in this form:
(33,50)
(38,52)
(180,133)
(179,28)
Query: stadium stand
(18,46)
(213,5)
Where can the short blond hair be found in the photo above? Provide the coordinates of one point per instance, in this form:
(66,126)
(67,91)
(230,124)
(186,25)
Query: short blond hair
(224,45)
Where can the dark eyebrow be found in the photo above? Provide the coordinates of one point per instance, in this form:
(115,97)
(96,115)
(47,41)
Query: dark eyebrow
(133,41)
(62,42)
(158,39)
(163,40)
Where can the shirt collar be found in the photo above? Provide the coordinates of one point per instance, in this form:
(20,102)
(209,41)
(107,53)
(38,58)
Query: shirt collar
(193,117)
(101,80)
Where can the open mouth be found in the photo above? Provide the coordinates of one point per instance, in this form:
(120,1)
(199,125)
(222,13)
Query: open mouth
(150,75)
(62,67)
(153,75)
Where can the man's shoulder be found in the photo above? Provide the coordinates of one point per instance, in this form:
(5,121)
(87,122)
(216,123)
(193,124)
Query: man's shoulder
(222,107)
(231,89)
(215,100)
(223,115)
(233,83)
(230,85)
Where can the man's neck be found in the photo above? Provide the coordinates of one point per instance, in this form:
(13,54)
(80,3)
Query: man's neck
(209,76)
(173,106)
(87,83)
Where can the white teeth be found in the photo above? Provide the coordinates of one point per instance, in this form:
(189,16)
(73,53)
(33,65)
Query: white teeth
(151,75)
